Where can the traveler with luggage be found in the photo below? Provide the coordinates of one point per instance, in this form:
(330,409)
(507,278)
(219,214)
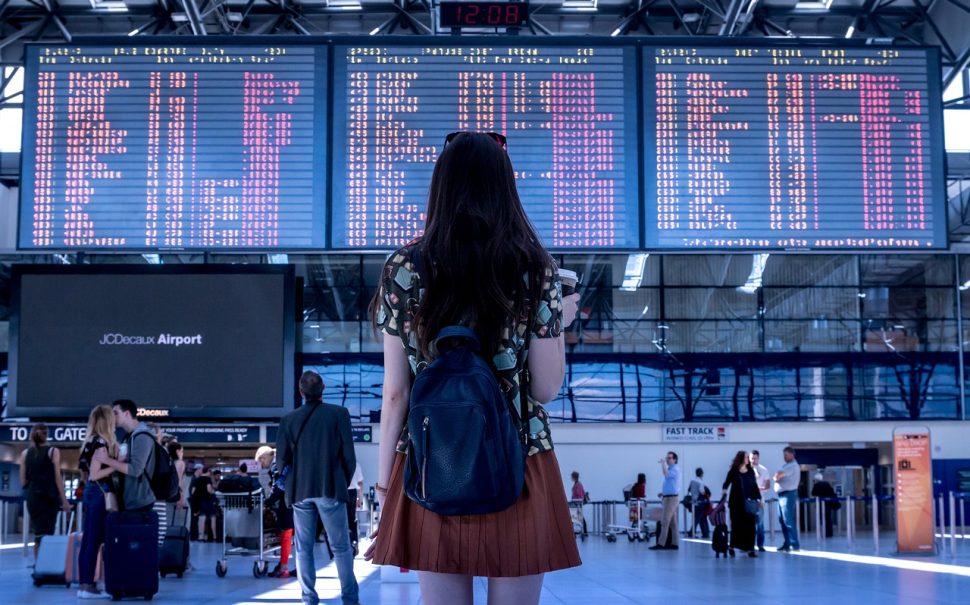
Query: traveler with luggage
(744,503)
(99,497)
(275,493)
(131,536)
(316,443)
(473,311)
(40,475)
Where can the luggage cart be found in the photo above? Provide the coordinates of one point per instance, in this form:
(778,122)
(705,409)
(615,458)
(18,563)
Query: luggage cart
(251,502)
(640,512)
(578,519)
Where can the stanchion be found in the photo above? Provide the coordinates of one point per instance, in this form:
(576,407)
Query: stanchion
(850,519)
(771,519)
(953,525)
(875,523)
(940,523)
(798,513)
(963,509)
(818,519)
(3,520)
(26,527)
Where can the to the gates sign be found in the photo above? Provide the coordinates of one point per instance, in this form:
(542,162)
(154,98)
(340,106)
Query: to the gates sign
(56,433)
(695,433)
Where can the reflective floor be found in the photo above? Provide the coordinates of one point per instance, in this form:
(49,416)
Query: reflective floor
(618,573)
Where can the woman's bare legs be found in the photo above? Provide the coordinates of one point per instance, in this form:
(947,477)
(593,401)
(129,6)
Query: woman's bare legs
(524,590)
(445,588)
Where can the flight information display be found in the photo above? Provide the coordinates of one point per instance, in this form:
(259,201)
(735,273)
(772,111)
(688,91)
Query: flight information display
(569,114)
(793,148)
(174,146)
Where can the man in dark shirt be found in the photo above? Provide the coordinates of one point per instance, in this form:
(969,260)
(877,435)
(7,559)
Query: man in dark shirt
(316,442)
(823,489)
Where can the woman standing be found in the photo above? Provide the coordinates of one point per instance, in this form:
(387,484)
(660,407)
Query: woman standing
(40,475)
(177,455)
(99,488)
(744,502)
(482,266)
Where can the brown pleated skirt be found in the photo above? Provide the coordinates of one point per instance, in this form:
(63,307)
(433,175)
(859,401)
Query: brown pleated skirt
(534,536)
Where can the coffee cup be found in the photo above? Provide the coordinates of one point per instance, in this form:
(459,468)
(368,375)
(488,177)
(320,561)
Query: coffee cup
(569,280)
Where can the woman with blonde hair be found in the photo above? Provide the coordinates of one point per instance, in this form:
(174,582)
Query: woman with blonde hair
(98,496)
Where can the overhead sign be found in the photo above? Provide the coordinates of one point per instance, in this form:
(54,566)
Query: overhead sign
(208,433)
(695,433)
(183,433)
(914,491)
(362,433)
(56,433)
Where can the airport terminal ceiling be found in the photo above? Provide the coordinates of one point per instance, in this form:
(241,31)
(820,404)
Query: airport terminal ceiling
(680,305)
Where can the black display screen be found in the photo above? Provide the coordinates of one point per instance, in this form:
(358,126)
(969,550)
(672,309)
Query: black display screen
(198,342)
(816,148)
(174,146)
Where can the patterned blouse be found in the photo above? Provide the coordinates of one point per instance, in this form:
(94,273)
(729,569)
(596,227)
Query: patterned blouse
(401,292)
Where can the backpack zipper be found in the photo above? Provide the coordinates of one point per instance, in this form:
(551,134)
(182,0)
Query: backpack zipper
(424,459)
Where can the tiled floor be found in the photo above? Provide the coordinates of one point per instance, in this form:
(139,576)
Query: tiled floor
(612,574)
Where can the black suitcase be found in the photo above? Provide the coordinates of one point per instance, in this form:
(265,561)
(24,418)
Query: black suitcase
(719,540)
(174,555)
(131,555)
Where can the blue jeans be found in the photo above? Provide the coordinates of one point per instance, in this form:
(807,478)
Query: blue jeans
(333,513)
(787,502)
(95,517)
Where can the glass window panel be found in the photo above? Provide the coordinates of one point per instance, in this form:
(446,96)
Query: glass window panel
(906,270)
(609,270)
(706,269)
(711,336)
(810,270)
(331,336)
(811,303)
(709,303)
(821,335)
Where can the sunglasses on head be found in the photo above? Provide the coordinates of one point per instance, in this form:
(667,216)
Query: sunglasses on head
(495,136)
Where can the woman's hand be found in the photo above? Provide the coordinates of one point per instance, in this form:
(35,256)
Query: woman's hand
(570,306)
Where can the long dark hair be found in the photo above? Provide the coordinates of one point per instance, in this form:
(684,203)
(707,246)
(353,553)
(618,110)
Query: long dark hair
(739,460)
(477,245)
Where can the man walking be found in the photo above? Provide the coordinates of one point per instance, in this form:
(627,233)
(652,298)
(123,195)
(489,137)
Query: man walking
(788,478)
(700,499)
(315,442)
(670,496)
(137,450)
(764,485)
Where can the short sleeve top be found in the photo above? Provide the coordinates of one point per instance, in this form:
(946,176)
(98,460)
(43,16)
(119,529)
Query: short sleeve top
(400,293)
(87,454)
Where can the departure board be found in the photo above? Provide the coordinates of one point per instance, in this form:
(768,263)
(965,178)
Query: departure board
(569,113)
(174,146)
(804,147)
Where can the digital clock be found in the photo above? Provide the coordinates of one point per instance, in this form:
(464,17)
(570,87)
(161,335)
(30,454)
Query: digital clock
(484,14)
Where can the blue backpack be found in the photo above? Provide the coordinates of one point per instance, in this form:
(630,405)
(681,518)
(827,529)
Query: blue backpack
(466,454)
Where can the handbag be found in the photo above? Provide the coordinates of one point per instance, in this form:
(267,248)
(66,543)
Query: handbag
(110,499)
(752,507)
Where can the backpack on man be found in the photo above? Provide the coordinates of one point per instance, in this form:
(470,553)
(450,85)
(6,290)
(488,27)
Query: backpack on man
(162,476)
(466,452)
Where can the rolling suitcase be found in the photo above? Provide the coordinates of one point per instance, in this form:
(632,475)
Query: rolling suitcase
(720,543)
(174,555)
(131,555)
(52,559)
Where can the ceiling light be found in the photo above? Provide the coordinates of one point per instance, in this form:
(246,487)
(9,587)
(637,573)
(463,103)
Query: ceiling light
(633,274)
